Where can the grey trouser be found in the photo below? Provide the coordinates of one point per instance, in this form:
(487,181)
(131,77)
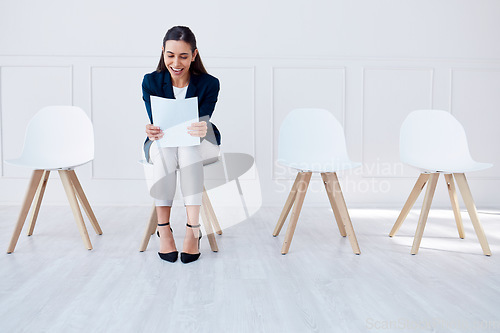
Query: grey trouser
(188,162)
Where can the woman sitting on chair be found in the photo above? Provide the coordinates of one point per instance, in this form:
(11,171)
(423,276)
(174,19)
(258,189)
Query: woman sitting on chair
(180,74)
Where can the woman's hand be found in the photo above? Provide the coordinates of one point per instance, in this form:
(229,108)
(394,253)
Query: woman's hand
(198,129)
(154,132)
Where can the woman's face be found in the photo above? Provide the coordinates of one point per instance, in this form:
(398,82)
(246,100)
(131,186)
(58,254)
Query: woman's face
(178,57)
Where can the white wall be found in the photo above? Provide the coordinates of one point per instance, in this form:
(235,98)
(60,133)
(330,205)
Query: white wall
(369,62)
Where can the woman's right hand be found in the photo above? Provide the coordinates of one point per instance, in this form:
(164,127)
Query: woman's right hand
(154,132)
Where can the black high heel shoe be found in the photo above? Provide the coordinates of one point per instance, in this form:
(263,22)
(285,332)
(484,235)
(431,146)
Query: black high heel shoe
(188,257)
(170,256)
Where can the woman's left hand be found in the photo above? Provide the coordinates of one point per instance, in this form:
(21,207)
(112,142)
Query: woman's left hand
(198,129)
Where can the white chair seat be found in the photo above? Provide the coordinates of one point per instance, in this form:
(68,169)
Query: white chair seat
(44,163)
(450,167)
(322,167)
(57,137)
(435,141)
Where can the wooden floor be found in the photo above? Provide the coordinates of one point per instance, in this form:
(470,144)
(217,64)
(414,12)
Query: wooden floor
(51,283)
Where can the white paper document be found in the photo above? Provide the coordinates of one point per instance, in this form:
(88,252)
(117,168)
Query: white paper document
(174,116)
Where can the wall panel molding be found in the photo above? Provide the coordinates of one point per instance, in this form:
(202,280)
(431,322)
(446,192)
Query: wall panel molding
(25,89)
(475,101)
(116,108)
(235,112)
(310,87)
(394,101)
(356,87)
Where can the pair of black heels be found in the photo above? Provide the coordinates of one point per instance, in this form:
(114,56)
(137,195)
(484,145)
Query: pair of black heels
(185,257)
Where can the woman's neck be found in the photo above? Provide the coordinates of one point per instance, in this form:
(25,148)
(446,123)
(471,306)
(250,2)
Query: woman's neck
(180,82)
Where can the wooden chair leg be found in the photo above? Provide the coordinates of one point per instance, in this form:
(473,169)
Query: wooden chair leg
(211,212)
(28,199)
(304,179)
(153,220)
(205,217)
(343,212)
(83,199)
(417,189)
(150,229)
(38,201)
(70,193)
(288,205)
(454,204)
(333,204)
(471,208)
(429,194)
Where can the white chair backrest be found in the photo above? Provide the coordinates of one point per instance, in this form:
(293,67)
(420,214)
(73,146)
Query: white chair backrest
(59,137)
(434,140)
(312,139)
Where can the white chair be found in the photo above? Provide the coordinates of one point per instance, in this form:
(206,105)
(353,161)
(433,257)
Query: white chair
(57,138)
(312,140)
(207,212)
(435,142)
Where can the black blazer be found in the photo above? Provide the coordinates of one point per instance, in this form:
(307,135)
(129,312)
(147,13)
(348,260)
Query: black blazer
(205,87)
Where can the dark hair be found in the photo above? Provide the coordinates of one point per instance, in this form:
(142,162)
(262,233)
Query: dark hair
(186,35)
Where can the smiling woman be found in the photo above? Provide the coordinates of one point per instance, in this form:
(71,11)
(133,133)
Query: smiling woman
(181,34)
(180,74)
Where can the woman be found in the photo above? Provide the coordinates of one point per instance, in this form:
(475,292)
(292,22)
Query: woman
(181,74)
